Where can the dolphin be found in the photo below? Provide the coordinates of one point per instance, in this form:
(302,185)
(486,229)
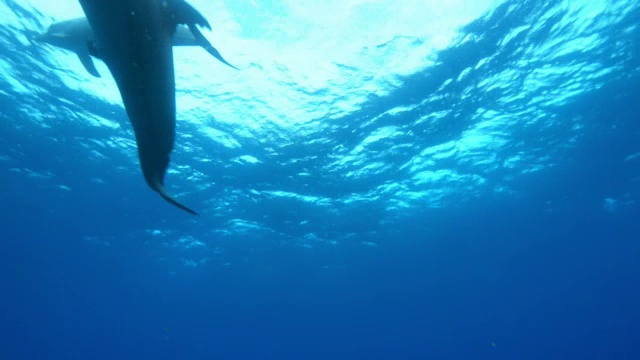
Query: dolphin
(134,39)
(76,36)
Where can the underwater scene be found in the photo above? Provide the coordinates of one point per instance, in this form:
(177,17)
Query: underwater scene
(299,179)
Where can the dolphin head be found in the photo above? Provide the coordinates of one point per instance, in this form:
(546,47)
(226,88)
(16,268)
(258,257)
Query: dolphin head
(72,35)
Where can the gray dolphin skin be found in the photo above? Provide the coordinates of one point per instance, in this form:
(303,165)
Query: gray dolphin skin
(134,38)
(76,36)
(73,35)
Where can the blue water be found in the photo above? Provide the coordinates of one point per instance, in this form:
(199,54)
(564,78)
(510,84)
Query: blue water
(380,180)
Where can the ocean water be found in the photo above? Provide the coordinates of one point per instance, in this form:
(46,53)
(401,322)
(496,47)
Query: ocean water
(379,180)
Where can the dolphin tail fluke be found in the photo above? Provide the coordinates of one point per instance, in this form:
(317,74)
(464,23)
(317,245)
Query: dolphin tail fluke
(160,189)
(205,44)
(183,13)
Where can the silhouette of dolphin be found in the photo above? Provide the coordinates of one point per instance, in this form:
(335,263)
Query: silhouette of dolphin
(133,37)
(76,36)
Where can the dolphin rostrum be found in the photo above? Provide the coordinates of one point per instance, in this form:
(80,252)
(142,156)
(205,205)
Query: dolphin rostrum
(76,36)
(134,38)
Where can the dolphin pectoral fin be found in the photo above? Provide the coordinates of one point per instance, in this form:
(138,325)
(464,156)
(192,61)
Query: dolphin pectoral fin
(205,44)
(88,64)
(159,188)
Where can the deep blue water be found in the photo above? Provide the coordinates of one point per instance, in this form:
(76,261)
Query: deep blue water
(485,206)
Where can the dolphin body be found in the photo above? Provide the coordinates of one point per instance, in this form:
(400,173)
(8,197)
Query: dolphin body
(134,38)
(76,36)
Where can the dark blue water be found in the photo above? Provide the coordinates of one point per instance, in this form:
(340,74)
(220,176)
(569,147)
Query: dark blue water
(485,207)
